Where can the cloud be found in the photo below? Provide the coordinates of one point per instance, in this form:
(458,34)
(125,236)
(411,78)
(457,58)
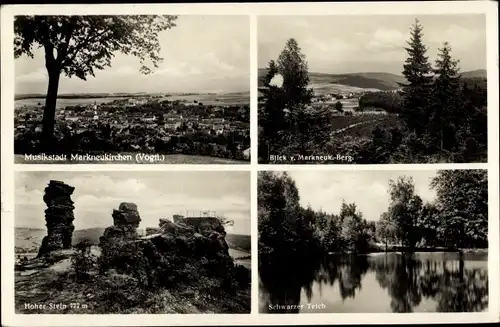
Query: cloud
(328,46)
(39,75)
(457,36)
(386,39)
(126,70)
(157,196)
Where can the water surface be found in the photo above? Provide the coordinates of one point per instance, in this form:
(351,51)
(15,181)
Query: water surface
(382,283)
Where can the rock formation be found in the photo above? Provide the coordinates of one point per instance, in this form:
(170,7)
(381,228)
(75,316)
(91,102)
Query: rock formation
(59,217)
(176,253)
(125,223)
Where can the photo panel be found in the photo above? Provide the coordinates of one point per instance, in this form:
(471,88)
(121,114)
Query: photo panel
(372,89)
(132,242)
(132,89)
(373,241)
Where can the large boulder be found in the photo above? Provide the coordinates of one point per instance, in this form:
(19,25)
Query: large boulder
(126,215)
(126,220)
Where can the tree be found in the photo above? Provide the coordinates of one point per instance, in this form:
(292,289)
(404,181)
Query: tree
(352,231)
(445,116)
(386,230)
(462,199)
(417,71)
(404,209)
(224,221)
(79,45)
(285,229)
(430,226)
(292,65)
(271,115)
(82,261)
(338,106)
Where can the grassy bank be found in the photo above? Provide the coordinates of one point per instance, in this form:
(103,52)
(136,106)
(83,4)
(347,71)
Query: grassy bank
(118,294)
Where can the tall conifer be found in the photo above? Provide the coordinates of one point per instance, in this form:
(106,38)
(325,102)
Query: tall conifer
(416,91)
(445,116)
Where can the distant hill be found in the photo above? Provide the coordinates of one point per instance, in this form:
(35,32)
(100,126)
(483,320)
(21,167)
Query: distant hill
(239,242)
(28,240)
(370,80)
(480,73)
(378,80)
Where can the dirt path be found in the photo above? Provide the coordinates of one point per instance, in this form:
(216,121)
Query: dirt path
(340,130)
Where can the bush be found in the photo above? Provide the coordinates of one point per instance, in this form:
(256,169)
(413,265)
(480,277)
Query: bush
(82,261)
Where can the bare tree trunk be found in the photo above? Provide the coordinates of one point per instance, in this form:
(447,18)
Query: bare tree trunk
(441,138)
(49,112)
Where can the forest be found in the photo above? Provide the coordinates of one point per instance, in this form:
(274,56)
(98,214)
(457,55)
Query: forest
(456,219)
(436,115)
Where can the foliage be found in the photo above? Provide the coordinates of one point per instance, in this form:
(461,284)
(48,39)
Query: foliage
(391,102)
(386,230)
(292,66)
(82,261)
(417,71)
(462,200)
(283,112)
(405,206)
(284,227)
(338,106)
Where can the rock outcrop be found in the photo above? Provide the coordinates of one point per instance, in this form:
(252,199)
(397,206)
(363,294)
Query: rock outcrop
(181,253)
(126,220)
(59,217)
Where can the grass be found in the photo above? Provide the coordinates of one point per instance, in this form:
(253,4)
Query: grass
(365,130)
(117,294)
(52,282)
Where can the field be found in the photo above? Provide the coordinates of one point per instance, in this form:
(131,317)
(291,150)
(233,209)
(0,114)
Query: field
(239,242)
(227,99)
(327,88)
(363,125)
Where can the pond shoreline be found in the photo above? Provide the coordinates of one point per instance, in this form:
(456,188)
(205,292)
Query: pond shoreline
(415,250)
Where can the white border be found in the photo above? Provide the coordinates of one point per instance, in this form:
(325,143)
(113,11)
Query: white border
(489,8)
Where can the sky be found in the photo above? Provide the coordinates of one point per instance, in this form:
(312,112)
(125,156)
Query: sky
(201,54)
(351,44)
(368,189)
(156,194)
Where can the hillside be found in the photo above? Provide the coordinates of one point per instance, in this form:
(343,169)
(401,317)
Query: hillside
(379,81)
(28,240)
(364,80)
(239,242)
(479,73)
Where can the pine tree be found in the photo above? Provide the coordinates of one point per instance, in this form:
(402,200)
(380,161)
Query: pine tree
(445,116)
(417,71)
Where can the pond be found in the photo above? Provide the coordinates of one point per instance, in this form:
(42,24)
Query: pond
(378,283)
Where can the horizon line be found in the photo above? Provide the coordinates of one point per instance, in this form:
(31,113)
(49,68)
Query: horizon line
(143,92)
(36,228)
(375,72)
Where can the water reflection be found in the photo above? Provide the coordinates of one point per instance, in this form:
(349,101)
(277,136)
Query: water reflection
(397,283)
